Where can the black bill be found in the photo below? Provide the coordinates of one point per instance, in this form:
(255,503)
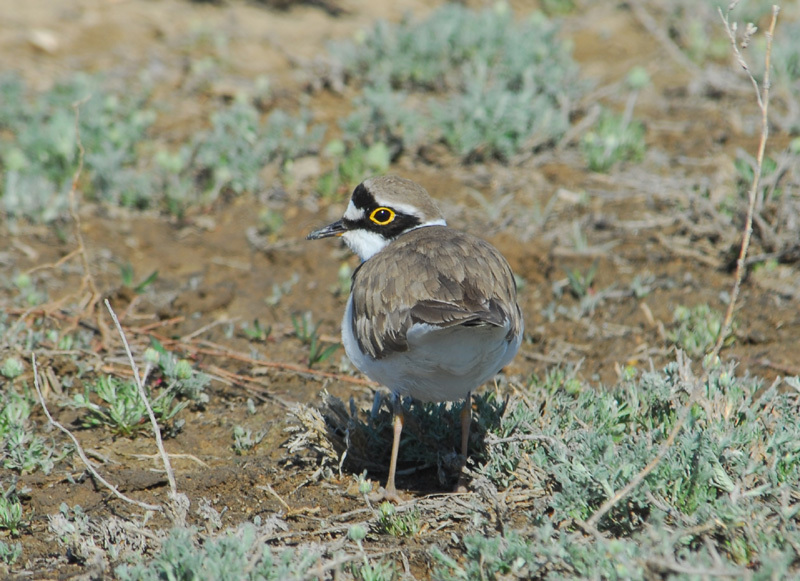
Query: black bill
(336,229)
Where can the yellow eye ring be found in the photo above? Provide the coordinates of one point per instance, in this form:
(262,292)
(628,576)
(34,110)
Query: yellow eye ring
(382,216)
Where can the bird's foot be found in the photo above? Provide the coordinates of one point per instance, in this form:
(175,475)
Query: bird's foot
(461,485)
(463,475)
(389,493)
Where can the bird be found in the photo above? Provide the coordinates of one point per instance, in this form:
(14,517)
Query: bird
(432,311)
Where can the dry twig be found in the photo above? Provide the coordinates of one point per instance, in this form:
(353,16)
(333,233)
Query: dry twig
(143,394)
(88,279)
(762,97)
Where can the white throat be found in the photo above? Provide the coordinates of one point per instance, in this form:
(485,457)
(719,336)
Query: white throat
(364,243)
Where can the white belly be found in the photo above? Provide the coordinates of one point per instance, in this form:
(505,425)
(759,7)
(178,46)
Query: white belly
(440,364)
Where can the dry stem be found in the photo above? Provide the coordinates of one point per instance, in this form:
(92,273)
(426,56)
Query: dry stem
(762,96)
(143,394)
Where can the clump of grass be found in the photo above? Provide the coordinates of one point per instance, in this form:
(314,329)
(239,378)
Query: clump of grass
(695,27)
(696,329)
(39,150)
(234,554)
(22,449)
(9,553)
(362,441)
(503,85)
(776,202)
(308,333)
(352,166)
(121,407)
(581,283)
(398,524)
(614,139)
(270,222)
(30,293)
(230,155)
(489,557)
(256,331)
(12,368)
(127,273)
(279,290)
(437,53)
(178,375)
(380,571)
(733,461)
(10,512)
(244,439)
(381,116)
(786,65)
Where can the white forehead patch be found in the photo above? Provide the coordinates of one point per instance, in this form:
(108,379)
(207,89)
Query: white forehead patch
(353,213)
(404,208)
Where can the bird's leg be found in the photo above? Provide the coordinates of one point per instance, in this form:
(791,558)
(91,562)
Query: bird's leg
(466,420)
(390,492)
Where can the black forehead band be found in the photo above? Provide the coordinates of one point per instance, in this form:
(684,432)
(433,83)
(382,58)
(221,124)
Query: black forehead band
(361,198)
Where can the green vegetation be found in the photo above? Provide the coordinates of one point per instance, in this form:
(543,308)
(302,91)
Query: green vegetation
(352,166)
(10,514)
(12,367)
(545,455)
(22,449)
(236,555)
(41,157)
(616,138)
(696,329)
(308,333)
(122,409)
(432,440)
(581,283)
(696,26)
(398,524)
(381,571)
(613,139)
(485,83)
(230,155)
(715,500)
(177,375)
(256,331)
(29,293)
(39,150)
(786,64)
(244,439)
(9,553)
(127,274)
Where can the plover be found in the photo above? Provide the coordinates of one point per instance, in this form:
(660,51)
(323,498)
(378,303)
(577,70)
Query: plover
(432,311)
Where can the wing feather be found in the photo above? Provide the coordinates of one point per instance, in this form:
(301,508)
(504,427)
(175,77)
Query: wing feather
(472,286)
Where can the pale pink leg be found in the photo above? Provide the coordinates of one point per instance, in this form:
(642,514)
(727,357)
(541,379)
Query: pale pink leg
(466,420)
(391,490)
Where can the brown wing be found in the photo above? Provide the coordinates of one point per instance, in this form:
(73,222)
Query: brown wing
(478,288)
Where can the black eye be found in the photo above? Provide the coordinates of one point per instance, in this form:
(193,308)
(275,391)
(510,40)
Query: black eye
(382,216)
